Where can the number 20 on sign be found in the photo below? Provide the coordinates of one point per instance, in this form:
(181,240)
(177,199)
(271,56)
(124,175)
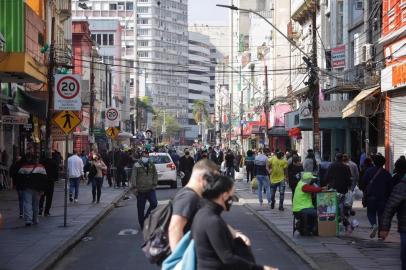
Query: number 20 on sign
(67,92)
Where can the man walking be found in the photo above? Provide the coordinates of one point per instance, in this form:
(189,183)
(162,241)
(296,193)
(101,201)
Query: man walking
(186,164)
(51,168)
(279,175)
(262,175)
(230,163)
(354,170)
(75,172)
(144,179)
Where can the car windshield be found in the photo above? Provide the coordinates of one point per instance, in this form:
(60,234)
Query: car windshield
(160,159)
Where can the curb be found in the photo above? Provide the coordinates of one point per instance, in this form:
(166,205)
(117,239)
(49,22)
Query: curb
(295,248)
(49,260)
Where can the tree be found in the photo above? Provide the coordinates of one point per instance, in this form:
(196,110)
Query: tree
(200,113)
(172,126)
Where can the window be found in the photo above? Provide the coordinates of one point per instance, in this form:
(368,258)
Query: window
(129,6)
(340,22)
(143,54)
(160,159)
(113,6)
(143,43)
(98,39)
(111,39)
(143,9)
(105,36)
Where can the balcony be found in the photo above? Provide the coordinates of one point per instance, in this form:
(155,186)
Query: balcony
(294,31)
(301,9)
(64,8)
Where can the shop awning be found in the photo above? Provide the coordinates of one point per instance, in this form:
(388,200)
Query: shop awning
(352,107)
(31,104)
(278,131)
(21,68)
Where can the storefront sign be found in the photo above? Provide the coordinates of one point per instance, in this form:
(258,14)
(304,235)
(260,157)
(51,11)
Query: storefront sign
(338,57)
(393,77)
(14,120)
(328,109)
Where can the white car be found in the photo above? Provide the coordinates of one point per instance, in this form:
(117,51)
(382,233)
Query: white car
(166,169)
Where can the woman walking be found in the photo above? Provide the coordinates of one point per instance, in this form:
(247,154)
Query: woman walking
(96,176)
(249,165)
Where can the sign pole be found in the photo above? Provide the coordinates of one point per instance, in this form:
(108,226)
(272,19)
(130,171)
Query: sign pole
(65,203)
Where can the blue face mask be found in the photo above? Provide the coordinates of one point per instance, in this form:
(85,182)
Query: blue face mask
(144,160)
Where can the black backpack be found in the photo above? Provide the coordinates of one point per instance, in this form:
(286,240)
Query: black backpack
(156,241)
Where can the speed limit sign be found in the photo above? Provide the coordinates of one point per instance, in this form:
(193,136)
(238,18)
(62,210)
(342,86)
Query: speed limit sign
(112,117)
(67,92)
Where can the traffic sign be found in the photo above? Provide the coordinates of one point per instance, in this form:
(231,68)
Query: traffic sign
(67,121)
(112,132)
(112,117)
(67,92)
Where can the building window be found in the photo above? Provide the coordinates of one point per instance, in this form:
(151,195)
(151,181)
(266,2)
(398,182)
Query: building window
(129,5)
(105,36)
(111,39)
(98,39)
(143,43)
(113,6)
(142,9)
(340,21)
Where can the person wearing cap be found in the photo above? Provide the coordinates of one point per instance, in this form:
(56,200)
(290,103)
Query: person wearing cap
(303,203)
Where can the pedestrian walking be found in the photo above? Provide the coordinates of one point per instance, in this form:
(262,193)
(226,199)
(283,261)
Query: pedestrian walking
(51,169)
(354,171)
(400,170)
(323,168)
(230,159)
(216,246)
(396,204)
(310,163)
(339,175)
(186,164)
(379,185)
(97,177)
(144,179)
(33,178)
(188,201)
(250,165)
(294,174)
(212,155)
(220,156)
(279,175)
(121,174)
(75,173)
(18,185)
(262,175)
(106,159)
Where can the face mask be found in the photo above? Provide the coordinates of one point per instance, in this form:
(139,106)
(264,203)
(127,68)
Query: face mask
(228,203)
(145,160)
(187,153)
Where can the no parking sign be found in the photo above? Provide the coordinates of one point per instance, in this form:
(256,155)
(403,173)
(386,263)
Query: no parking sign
(67,93)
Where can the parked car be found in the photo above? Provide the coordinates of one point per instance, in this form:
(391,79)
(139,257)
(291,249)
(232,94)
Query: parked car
(166,169)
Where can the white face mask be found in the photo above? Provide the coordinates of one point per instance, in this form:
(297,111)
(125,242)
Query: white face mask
(145,159)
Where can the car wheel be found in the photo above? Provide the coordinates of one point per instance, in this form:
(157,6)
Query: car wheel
(174,185)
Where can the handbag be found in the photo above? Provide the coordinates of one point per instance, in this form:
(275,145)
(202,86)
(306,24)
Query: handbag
(183,257)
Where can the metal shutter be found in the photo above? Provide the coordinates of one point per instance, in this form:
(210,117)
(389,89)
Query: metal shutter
(397,127)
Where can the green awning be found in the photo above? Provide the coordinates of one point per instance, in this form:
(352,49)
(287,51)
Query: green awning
(31,104)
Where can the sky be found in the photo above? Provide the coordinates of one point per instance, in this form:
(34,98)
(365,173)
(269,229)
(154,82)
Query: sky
(205,11)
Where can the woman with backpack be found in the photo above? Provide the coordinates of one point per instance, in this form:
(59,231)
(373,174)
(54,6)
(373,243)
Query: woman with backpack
(96,176)
(217,247)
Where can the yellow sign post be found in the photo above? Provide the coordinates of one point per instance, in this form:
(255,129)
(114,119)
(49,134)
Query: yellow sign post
(112,132)
(67,121)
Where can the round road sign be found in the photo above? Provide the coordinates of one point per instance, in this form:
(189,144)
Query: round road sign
(112,114)
(68,87)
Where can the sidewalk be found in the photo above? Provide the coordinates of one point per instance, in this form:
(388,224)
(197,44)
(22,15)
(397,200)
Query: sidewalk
(39,246)
(356,251)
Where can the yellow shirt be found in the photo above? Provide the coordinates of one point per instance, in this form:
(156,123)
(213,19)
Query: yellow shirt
(278,167)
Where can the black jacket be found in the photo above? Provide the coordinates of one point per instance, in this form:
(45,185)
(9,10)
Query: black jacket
(215,248)
(186,164)
(395,204)
(338,176)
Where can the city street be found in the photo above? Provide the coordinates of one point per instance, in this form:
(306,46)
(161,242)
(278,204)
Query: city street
(104,248)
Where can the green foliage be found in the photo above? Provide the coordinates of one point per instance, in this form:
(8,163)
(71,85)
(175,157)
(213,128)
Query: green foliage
(200,113)
(172,125)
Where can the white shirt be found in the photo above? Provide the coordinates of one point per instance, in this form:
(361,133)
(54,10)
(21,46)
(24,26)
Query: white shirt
(75,166)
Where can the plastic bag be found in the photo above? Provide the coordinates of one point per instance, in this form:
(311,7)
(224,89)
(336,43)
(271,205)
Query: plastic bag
(254,183)
(358,194)
(348,200)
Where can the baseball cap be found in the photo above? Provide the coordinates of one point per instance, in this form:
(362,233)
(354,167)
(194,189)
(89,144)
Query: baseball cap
(308,176)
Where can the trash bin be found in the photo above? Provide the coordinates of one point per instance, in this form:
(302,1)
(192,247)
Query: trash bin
(327,213)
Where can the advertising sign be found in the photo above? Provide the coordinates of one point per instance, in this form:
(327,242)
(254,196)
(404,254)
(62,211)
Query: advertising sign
(338,57)
(327,213)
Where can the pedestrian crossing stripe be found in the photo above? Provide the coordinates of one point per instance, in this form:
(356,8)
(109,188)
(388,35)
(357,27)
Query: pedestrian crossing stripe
(67,121)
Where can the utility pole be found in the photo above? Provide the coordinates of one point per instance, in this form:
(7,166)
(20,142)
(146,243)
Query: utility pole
(232,76)
(51,78)
(241,116)
(266,106)
(314,84)
(92,98)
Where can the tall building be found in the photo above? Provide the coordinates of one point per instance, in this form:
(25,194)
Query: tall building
(201,78)
(162,46)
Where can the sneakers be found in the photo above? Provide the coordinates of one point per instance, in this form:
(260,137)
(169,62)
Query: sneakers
(47,214)
(281,208)
(374,230)
(70,199)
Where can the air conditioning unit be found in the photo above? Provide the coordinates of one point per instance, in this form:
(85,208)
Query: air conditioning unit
(367,52)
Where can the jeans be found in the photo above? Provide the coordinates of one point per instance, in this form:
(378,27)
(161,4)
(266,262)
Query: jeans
(263,182)
(230,171)
(31,206)
(281,185)
(403,249)
(310,218)
(47,197)
(97,183)
(142,198)
(250,172)
(20,194)
(374,208)
(74,187)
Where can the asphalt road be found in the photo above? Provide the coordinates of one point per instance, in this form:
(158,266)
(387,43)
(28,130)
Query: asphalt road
(105,249)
